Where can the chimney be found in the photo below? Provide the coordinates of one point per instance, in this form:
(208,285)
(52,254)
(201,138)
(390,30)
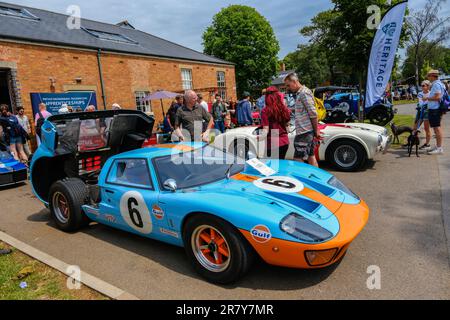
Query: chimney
(283,66)
(125,24)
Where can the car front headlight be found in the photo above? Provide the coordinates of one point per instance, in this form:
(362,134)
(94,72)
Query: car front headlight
(335,182)
(380,140)
(303,229)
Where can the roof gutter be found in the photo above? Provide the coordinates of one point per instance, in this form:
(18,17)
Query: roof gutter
(99,61)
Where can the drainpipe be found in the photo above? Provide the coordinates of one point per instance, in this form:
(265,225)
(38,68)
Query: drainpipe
(99,53)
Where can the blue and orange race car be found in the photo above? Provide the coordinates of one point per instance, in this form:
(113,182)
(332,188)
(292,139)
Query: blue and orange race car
(223,210)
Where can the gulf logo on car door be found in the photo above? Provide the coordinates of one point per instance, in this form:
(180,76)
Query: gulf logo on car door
(261,234)
(157,212)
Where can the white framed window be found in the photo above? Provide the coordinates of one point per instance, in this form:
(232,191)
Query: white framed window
(221,84)
(221,79)
(186,79)
(141,104)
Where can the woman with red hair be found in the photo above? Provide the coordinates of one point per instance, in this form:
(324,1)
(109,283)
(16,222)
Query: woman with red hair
(275,119)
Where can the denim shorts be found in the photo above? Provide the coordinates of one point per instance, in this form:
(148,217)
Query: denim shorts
(435,117)
(422,116)
(14,140)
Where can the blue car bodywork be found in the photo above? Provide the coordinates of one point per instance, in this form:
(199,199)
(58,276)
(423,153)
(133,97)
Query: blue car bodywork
(11,170)
(343,105)
(298,216)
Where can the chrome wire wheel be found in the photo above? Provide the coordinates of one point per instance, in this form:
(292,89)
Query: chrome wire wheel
(345,156)
(210,248)
(61,207)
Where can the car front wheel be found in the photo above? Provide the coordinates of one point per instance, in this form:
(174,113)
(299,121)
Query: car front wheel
(216,249)
(347,155)
(65,200)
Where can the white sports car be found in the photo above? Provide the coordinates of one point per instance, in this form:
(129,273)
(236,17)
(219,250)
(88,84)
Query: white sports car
(346,146)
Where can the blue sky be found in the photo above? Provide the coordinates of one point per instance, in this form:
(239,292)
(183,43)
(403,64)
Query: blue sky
(184,21)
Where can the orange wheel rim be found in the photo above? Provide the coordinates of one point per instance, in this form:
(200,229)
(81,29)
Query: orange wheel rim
(211,248)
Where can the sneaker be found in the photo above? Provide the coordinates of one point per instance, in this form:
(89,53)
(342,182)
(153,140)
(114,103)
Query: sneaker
(425,146)
(436,151)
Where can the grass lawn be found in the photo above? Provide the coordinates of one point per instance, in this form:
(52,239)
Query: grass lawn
(401,120)
(44,283)
(399,102)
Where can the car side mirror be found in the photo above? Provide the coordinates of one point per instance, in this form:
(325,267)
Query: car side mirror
(170,184)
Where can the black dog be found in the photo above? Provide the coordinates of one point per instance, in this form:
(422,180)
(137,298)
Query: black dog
(398,131)
(414,140)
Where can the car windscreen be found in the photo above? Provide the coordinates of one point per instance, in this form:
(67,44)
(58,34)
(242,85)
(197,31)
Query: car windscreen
(197,168)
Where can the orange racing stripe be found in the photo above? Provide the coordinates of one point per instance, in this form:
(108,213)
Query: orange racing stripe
(352,219)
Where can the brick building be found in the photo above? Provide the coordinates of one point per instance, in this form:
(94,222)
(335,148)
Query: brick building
(41,52)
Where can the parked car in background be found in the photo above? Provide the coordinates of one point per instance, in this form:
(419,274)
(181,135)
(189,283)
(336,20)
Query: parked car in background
(347,146)
(11,171)
(342,104)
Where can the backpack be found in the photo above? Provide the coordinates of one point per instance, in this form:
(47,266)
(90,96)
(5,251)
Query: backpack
(444,105)
(39,124)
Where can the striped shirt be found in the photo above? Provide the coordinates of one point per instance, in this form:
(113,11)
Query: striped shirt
(305,110)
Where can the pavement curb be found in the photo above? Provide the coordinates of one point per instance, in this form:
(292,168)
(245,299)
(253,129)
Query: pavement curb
(87,279)
(444,176)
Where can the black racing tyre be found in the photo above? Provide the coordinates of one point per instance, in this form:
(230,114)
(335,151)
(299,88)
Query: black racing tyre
(240,148)
(65,200)
(346,155)
(338,117)
(217,251)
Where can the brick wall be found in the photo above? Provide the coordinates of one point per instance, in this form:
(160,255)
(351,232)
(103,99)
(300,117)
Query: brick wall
(122,74)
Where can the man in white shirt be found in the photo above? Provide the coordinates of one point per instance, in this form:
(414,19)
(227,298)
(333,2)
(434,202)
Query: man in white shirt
(202,102)
(434,113)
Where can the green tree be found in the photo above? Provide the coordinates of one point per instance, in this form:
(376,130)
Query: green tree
(430,57)
(311,64)
(343,34)
(241,35)
(427,31)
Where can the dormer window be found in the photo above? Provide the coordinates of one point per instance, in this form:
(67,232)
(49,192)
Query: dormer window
(17,12)
(108,36)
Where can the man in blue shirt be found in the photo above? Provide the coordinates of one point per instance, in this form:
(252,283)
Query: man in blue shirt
(261,102)
(244,111)
(434,113)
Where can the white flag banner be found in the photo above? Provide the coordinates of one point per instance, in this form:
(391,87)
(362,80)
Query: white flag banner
(382,55)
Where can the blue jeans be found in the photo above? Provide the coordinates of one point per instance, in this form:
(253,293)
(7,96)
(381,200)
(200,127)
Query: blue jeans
(219,125)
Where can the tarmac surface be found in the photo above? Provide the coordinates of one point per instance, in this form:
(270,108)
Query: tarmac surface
(405,238)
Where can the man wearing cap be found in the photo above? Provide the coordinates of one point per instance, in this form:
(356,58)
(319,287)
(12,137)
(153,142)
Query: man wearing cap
(434,113)
(244,111)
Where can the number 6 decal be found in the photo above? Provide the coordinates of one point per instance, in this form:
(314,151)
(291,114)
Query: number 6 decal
(134,211)
(280,184)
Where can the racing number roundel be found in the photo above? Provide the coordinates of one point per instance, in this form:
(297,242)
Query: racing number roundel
(135,212)
(280,184)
